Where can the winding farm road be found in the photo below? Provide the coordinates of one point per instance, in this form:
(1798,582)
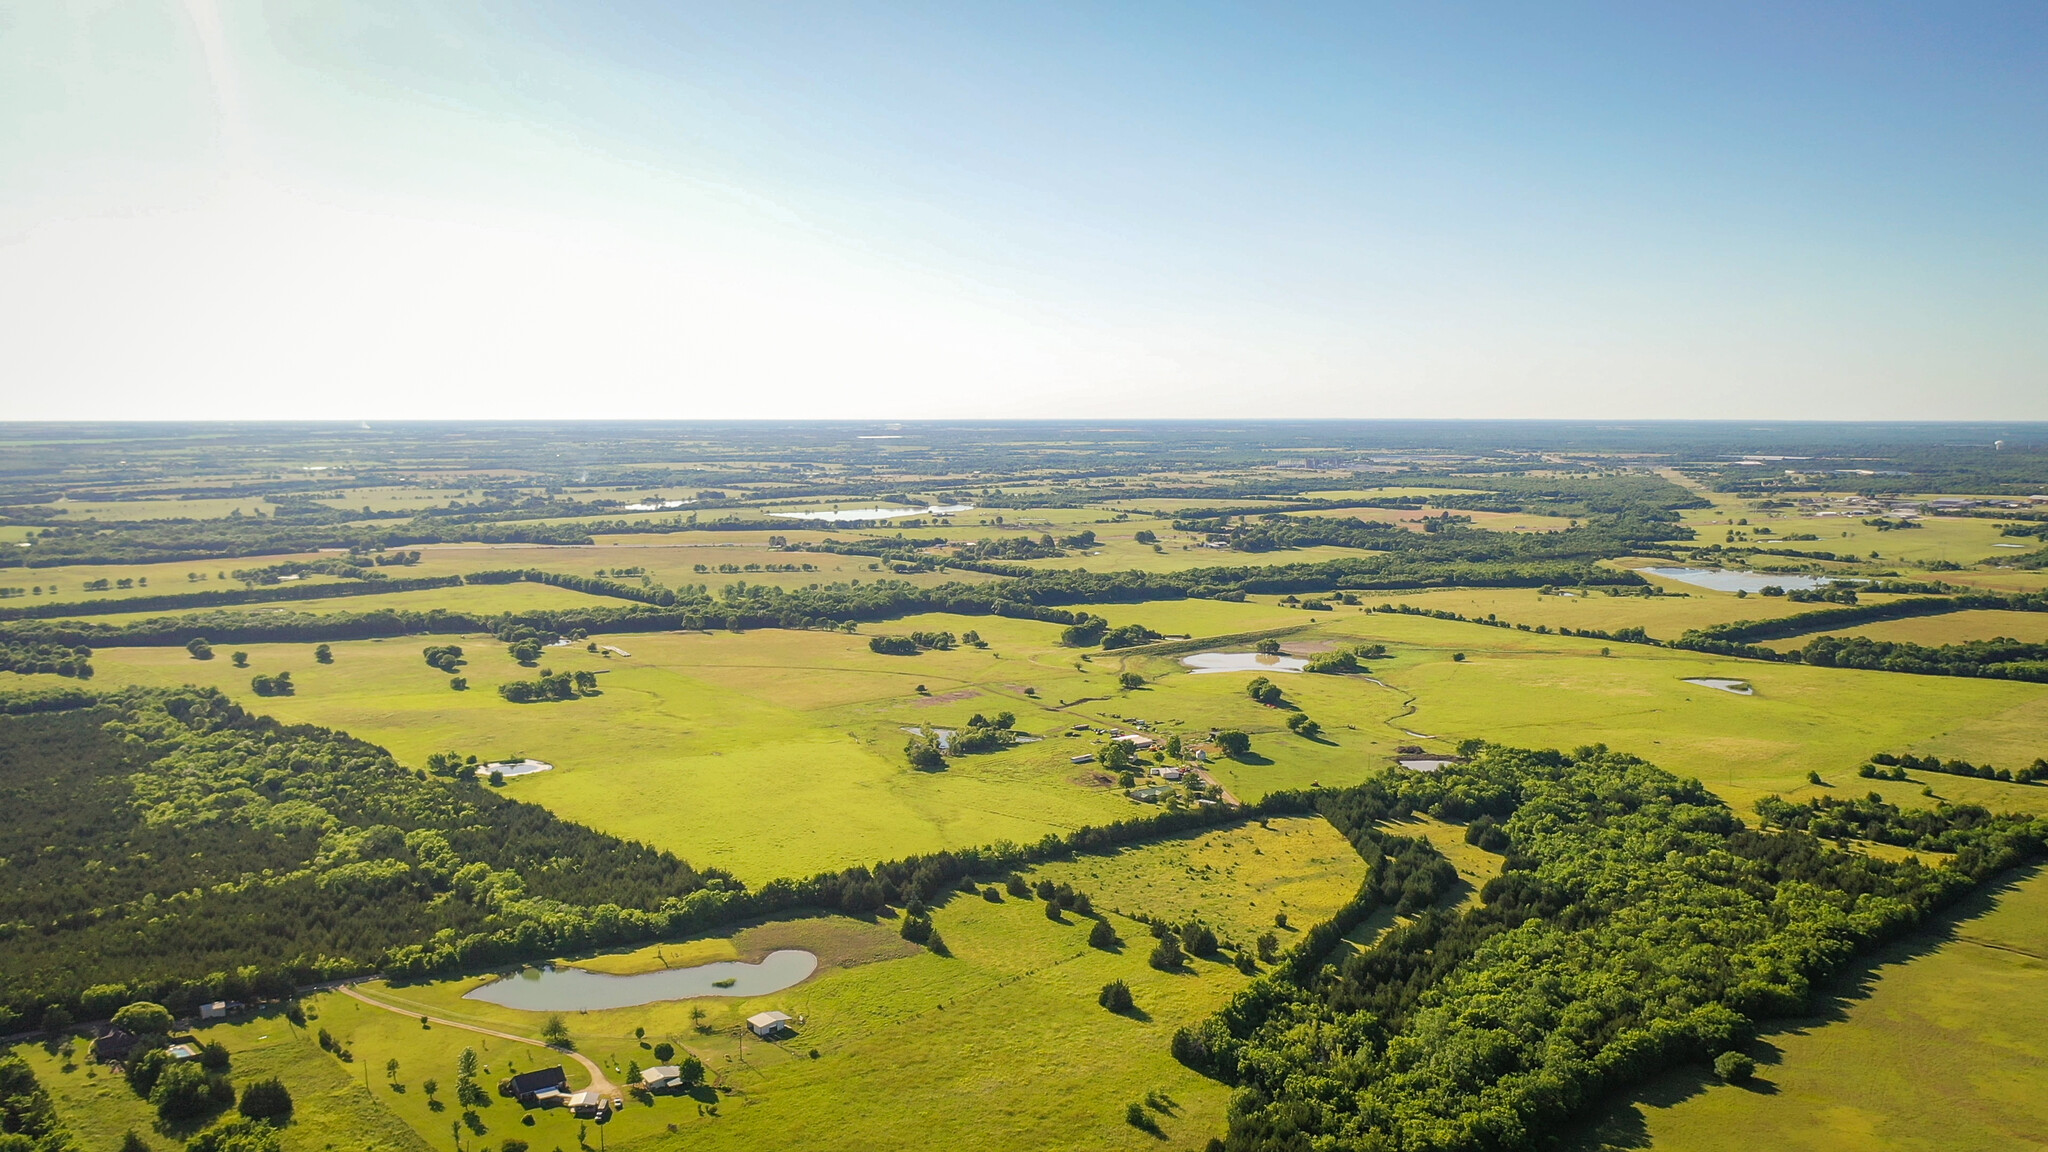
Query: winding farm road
(598,1080)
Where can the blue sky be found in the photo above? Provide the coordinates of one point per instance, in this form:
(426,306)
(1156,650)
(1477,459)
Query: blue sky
(395,208)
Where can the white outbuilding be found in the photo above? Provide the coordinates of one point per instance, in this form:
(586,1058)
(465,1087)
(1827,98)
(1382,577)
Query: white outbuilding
(767,1024)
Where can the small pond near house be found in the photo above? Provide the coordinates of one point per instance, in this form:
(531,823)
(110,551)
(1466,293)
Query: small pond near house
(1242,662)
(565,989)
(511,768)
(1724,580)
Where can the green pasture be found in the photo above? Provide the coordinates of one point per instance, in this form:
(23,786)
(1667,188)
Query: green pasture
(1665,617)
(999,1045)
(1953,628)
(172,578)
(481,599)
(1932,1043)
(771,753)
(1233,879)
(155,508)
(1552,691)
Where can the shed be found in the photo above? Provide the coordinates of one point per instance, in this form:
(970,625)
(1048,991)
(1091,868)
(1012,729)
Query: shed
(218,1010)
(766,1024)
(661,1077)
(1137,741)
(1084,759)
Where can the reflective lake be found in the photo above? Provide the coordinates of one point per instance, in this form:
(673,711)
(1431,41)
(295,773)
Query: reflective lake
(876,513)
(577,989)
(1723,580)
(1242,662)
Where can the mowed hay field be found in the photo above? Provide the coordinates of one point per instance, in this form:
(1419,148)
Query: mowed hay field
(1000,1045)
(1933,1043)
(1953,628)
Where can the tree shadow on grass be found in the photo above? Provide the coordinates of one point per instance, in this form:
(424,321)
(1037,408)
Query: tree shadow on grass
(1253,759)
(1623,1121)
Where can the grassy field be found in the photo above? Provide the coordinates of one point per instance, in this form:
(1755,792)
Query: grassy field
(1933,1043)
(1233,879)
(1552,691)
(486,599)
(1954,628)
(999,1045)
(168,579)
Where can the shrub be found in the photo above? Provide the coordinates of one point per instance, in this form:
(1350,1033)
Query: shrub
(266,1100)
(133,1142)
(1129,680)
(893,645)
(1734,1067)
(214,1056)
(1103,936)
(1116,996)
(237,1135)
(1015,885)
(1167,956)
(1263,690)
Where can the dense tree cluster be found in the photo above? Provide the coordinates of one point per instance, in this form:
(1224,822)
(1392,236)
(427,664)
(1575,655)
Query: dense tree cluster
(1636,924)
(173,846)
(28,1118)
(50,659)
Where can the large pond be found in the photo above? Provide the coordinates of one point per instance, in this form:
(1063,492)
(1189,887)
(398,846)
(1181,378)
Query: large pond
(580,990)
(876,513)
(1242,662)
(1724,580)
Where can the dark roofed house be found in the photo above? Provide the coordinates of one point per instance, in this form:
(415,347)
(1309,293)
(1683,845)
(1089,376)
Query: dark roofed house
(538,1087)
(113,1046)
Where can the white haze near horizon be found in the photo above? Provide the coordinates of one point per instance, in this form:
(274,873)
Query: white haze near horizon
(207,215)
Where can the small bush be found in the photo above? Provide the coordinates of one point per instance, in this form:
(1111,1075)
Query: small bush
(1116,996)
(1103,936)
(1734,1067)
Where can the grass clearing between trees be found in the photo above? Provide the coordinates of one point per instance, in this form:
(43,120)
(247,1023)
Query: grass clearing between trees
(1933,1042)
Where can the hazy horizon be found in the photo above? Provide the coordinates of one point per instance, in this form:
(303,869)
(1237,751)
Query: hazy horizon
(402,210)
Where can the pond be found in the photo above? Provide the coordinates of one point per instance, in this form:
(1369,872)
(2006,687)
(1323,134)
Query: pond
(554,989)
(1242,662)
(1739,687)
(511,768)
(1723,580)
(876,513)
(1425,763)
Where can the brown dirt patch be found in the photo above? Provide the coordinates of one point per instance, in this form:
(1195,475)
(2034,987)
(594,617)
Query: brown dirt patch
(946,698)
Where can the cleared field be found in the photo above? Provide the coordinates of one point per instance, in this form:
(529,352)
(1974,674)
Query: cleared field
(1933,1043)
(1664,617)
(1412,519)
(772,753)
(156,508)
(673,559)
(479,598)
(1000,1045)
(1550,691)
(1954,628)
(1233,879)
(67,581)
